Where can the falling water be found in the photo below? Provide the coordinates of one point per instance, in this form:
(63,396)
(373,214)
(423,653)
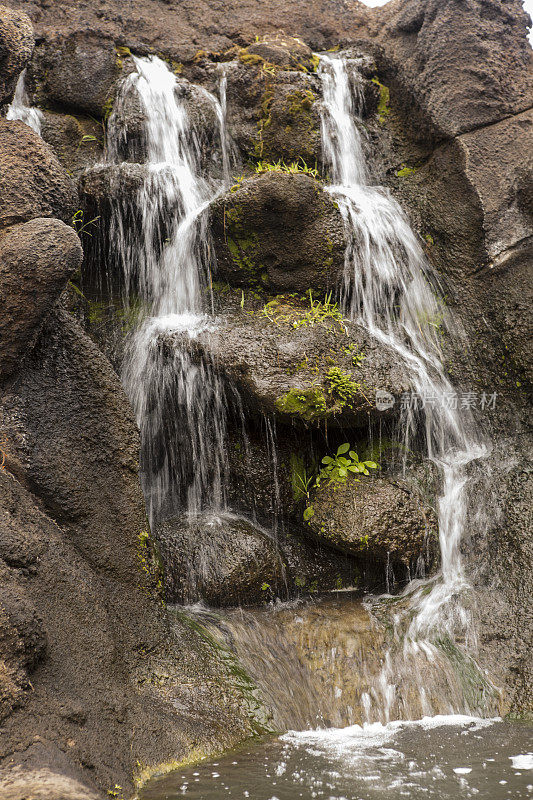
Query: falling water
(387,289)
(21,109)
(166,262)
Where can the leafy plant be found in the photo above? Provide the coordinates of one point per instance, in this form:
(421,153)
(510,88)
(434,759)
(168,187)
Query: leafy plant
(293,167)
(336,470)
(345,461)
(80,226)
(357,356)
(341,387)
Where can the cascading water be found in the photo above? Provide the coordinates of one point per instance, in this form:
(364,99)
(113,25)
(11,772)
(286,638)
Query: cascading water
(21,109)
(387,289)
(165,261)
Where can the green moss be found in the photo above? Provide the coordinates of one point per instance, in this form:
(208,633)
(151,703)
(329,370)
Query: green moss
(315,61)
(309,404)
(405,171)
(384,100)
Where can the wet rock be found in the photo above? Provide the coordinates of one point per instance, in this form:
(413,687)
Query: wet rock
(16,46)
(78,71)
(129,121)
(106,184)
(43,784)
(76,141)
(36,260)
(222,560)
(272,113)
(284,51)
(377,519)
(33,183)
(298,368)
(433,51)
(279,231)
(227,560)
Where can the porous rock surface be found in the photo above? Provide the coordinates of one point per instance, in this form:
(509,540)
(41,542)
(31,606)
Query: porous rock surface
(32,181)
(280,231)
(16,46)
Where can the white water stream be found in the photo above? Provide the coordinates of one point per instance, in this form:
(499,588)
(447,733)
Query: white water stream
(21,109)
(183,456)
(386,289)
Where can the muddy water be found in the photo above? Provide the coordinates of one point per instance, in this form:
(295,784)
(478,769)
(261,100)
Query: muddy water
(439,757)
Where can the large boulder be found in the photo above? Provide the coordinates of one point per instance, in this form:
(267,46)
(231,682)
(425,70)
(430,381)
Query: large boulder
(280,231)
(377,519)
(221,559)
(299,360)
(273,112)
(16,46)
(32,181)
(76,72)
(36,260)
(431,54)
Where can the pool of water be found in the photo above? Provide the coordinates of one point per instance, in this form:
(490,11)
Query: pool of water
(436,757)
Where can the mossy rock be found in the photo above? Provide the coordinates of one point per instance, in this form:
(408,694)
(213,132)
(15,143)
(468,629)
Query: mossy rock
(378,520)
(273,112)
(279,231)
(290,363)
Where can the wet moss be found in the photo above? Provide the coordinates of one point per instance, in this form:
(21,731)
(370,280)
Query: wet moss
(384,100)
(308,404)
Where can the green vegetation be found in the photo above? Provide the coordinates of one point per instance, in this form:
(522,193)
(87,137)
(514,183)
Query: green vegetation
(337,467)
(405,171)
(293,167)
(319,312)
(309,404)
(80,226)
(335,470)
(384,100)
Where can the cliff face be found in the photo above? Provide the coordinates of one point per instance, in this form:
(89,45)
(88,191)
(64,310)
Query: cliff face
(96,680)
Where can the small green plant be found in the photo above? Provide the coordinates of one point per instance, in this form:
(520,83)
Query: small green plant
(357,356)
(292,168)
(318,312)
(335,470)
(80,226)
(341,387)
(345,461)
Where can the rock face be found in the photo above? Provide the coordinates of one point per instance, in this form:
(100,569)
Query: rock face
(273,112)
(78,72)
(36,260)
(32,183)
(211,28)
(378,519)
(299,360)
(279,231)
(16,46)
(433,51)
(222,560)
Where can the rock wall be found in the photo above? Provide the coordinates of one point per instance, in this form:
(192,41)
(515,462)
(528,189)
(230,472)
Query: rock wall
(88,654)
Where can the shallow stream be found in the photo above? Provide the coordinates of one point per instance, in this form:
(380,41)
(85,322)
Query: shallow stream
(438,757)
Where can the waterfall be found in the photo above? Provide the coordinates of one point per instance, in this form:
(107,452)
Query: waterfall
(20,107)
(179,403)
(387,289)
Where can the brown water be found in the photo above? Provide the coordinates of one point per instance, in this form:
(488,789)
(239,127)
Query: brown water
(336,661)
(450,757)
